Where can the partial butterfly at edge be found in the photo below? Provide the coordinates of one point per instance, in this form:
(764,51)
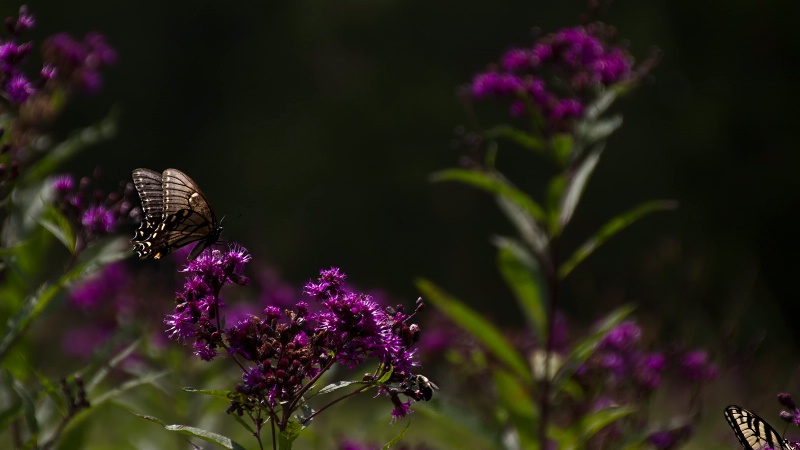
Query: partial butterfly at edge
(754,433)
(176,213)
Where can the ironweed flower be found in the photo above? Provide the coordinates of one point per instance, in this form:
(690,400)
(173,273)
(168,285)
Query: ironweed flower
(793,415)
(558,76)
(696,367)
(94,212)
(284,351)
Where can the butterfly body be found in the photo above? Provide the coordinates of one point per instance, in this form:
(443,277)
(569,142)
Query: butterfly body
(177,213)
(754,433)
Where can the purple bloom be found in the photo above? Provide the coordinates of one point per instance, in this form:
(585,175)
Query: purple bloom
(99,287)
(401,409)
(63,183)
(516,59)
(622,336)
(98,220)
(18,88)
(25,20)
(696,367)
(662,440)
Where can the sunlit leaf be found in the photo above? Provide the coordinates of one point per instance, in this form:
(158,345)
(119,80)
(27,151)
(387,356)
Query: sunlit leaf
(611,228)
(495,183)
(287,437)
(527,227)
(338,385)
(396,440)
(223,394)
(523,276)
(214,438)
(576,186)
(477,326)
(53,221)
(591,424)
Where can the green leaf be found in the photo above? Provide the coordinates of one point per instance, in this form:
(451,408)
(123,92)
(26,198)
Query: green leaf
(518,401)
(338,385)
(523,276)
(563,146)
(530,231)
(214,438)
(576,186)
(58,225)
(495,183)
(593,423)
(218,393)
(555,194)
(103,371)
(518,136)
(241,421)
(479,327)
(611,228)
(586,348)
(287,436)
(600,106)
(396,440)
(28,406)
(599,130)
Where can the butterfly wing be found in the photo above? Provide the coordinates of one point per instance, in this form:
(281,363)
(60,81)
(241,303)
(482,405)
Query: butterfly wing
(182,216)
(149,185)
(753,432)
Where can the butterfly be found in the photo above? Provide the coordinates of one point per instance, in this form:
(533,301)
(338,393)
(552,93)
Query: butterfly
(754,433)
(176,213)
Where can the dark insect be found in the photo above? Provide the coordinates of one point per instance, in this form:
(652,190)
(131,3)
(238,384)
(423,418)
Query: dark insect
(426,386)
(176,213)
(754,433)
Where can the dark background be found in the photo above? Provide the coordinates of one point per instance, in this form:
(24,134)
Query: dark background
(313,126)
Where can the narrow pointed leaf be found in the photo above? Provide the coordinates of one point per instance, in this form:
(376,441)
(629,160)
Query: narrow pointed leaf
(287,437)
(611,228)
(396,440)
(494,183)
(563,146)
(523,276)
(222,394)
(518,136)
(482,329)
(214,438)
(592,424)
(600,130)
(53,221)
(576,186)
(338,385)
(527,227)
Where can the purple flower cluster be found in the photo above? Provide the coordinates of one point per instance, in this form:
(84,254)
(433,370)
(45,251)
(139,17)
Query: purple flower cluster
(619,356)
(791,416)
(558,76)
(72,62)
(95,213)
(67,61)
(14,85)
(283,352)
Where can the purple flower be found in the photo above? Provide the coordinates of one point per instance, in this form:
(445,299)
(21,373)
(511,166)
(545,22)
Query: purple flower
(18,88)
(25,20)
(99,287)
(622,336)
(696,367)
(516,59)
(98,219)
(63,183)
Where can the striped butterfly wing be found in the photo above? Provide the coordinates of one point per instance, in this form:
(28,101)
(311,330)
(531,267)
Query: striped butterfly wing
(149,186)
(753,432)
(187,218)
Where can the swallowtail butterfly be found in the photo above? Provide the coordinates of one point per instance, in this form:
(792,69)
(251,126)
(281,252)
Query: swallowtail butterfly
(176,213)
(754,433)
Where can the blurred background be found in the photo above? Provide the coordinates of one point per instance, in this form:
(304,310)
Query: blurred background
(313,127)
